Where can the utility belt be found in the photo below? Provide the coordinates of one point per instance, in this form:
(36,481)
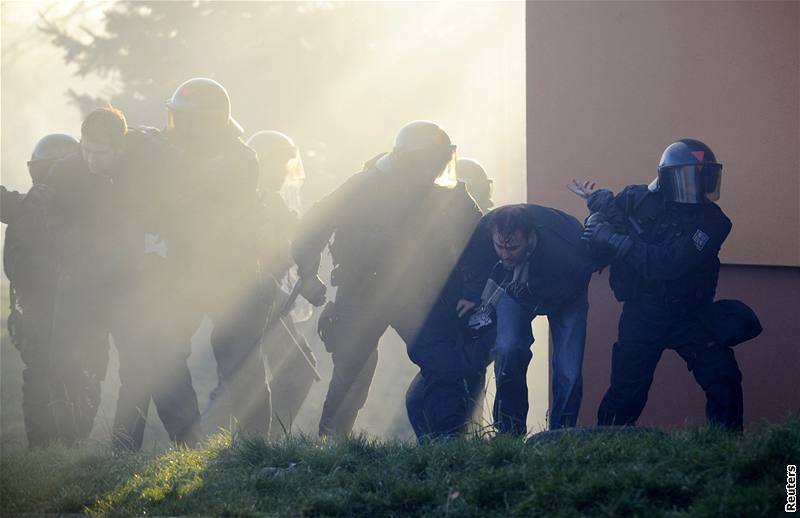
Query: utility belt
(671,302)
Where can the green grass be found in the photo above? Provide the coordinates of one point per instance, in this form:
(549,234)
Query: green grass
(698,472)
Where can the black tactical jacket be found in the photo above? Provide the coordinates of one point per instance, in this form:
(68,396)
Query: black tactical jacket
(208,210)
(387,236)
(674,258)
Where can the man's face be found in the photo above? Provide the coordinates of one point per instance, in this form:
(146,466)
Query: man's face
(99,155)
(511,249)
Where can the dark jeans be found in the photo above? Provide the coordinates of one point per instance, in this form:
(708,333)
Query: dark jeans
(644,333)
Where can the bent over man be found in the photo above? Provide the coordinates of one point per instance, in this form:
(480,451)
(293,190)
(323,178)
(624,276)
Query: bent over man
(538,266)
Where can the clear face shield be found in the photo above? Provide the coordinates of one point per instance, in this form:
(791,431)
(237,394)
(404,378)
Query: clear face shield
(448,177)
(691,183)
(293,181)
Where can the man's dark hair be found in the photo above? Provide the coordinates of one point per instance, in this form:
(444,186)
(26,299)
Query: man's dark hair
(106,125)
(510,219)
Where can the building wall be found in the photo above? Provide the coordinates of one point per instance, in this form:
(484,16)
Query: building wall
(609,86)
(769,363)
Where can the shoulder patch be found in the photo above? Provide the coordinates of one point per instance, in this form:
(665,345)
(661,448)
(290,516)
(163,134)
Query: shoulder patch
(700,239)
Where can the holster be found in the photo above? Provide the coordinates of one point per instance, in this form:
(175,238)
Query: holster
(326,324)
(730,322)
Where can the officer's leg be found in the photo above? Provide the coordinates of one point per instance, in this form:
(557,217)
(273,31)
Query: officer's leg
(95,361)
(512,356)
(175,398)
(292,376)
(633,362)
(136,366)
(568,328)
(80,337)
(351,335)
(715,369)
(32,338)
(353,370)
(415,397)
(445,371)
(479,350)
(236,342)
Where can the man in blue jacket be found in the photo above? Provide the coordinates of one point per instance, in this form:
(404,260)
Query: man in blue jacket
(538,266)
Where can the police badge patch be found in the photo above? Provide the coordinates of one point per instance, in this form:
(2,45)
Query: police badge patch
(700,239)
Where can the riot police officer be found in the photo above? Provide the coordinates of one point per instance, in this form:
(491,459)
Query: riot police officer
(291,362)
(479,185)
(211,241)
(662,242)
(398,235)
(30,264)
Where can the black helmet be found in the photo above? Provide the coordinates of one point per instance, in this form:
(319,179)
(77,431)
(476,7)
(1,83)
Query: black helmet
(479,185)
(422,147)
(201,100)
(54,147)
(278,159)
(49,149)
(688,173)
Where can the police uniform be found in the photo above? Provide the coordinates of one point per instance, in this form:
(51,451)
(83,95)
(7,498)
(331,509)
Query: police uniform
(210,233)
(393,250)
(30,264)
(665,278)
(292,372)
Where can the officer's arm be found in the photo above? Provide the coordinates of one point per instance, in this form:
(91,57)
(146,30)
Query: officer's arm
(477,261)
(315,228)
(9,204)
(672,261)
(611,207)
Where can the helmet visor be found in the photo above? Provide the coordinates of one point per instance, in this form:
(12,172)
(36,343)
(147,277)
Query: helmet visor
(691,183)
(448,177)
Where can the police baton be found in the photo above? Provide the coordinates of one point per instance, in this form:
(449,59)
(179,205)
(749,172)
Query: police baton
(281,318)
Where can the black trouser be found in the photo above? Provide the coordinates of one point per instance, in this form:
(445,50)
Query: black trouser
(442,397)
(645,331)
(236,343)
(32,328)
(81,327)
(153,366)
(292,376)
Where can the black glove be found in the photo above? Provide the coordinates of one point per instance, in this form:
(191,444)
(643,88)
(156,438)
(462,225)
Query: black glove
(602,240)
(313,289)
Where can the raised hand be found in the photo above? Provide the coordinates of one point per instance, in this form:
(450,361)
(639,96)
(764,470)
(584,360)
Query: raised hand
(583,189)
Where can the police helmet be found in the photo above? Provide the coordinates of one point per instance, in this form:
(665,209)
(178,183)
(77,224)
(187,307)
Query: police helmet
(54,147)
(479,185)
(49,149)
(422,148)
(203,101)
(278,158)
(688,173)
